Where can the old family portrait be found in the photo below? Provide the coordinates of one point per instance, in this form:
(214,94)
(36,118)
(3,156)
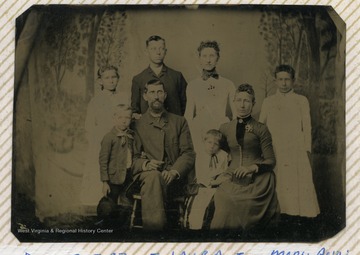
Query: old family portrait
(179,123)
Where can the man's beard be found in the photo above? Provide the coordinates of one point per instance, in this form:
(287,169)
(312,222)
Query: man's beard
(157,106)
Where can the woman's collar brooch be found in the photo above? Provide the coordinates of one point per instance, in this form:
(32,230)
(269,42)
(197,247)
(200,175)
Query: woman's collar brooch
(248,128)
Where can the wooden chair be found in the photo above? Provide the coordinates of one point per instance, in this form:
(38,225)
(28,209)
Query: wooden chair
(135,210)
(136,221)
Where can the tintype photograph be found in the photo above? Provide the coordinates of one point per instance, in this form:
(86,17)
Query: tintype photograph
(200,123)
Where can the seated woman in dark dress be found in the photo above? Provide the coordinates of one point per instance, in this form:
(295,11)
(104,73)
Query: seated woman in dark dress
(246,198)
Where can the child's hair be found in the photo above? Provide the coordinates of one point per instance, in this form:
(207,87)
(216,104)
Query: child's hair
(154,38)
(121,107)
(107,68)
(214,133)
(285,68)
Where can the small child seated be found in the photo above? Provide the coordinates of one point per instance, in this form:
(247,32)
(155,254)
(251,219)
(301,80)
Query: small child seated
(212,161)
(209,166)
(116,151)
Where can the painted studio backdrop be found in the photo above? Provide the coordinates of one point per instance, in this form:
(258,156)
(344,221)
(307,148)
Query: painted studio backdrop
(60,48)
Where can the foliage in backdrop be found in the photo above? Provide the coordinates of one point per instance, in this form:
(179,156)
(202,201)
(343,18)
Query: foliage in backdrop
(307,40)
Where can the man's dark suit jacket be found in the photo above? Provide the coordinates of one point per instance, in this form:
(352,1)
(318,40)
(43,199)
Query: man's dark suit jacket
(174,85)
(166,139)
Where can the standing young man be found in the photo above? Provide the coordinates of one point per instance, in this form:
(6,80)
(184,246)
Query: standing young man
(174,82)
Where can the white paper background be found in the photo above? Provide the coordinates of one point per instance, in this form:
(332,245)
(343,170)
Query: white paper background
(345,242)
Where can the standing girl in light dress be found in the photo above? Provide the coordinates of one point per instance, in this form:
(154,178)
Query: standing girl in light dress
(287,116)
(209,97)
(98,122)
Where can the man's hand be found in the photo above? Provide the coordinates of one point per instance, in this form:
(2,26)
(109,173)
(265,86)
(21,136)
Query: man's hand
(136,116)
(242,171)
(154,165)
(105,189)
(169,176)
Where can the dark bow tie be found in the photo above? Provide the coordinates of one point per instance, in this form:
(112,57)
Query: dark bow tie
(207,74)
(213,161)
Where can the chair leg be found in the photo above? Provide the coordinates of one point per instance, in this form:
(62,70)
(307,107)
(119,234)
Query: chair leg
(133,214)
(181,215)
(137,199)
(137,203)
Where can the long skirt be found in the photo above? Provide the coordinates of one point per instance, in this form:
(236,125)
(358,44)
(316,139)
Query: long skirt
(294,181)
(240,206)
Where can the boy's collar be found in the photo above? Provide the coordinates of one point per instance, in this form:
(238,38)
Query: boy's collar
(120,132)
(278,92)
(163,69)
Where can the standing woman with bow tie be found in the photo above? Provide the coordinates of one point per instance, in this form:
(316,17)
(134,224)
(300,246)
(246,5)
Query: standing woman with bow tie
(209,97)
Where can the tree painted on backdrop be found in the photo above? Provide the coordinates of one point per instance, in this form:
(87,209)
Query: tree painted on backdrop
(89,24)
(284,37)
(65,52)
(59,54)
(63,41)
(75,43)
(306,40)
(110,39)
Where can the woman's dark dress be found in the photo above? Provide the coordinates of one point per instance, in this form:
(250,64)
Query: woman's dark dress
(249,202)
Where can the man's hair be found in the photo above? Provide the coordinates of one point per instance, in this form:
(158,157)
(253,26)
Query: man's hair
(214,133)
(285,68)
(246,88)
(209,44)
(121,107)
(154,38)
(153,82)
(107,68)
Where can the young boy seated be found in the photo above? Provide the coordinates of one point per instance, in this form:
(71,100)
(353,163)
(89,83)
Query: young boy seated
(115,157)
(210,164)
